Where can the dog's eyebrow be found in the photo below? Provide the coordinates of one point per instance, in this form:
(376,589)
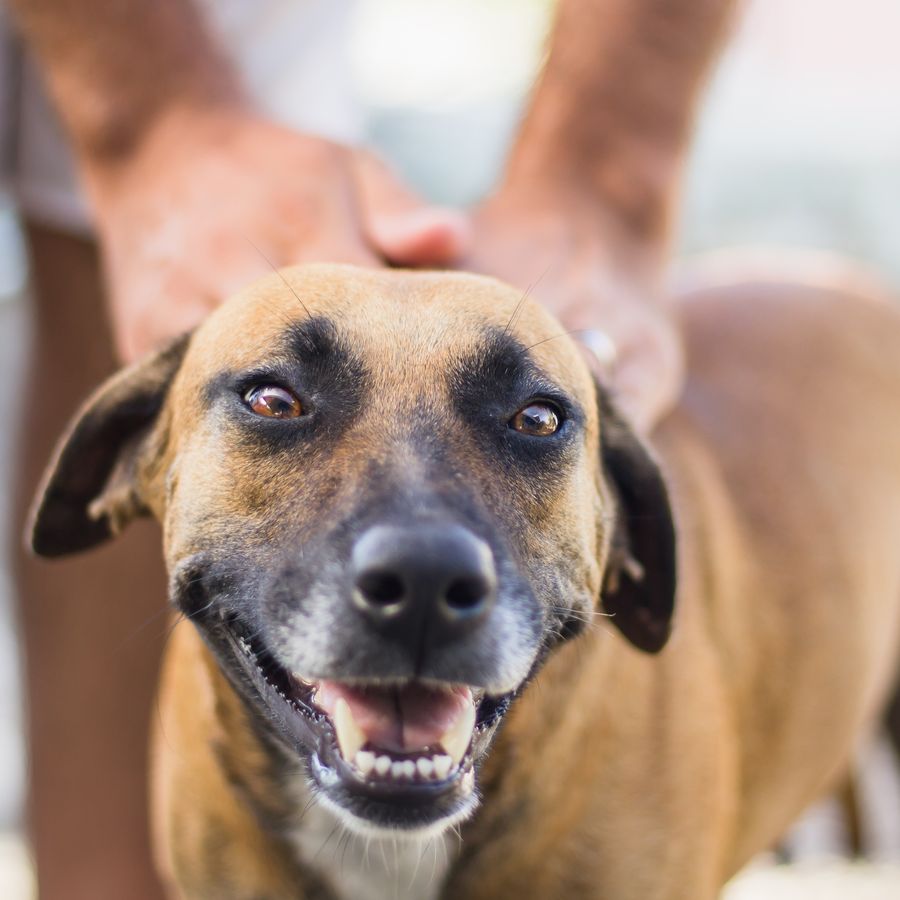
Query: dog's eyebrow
(313,337)
(500,372)
(501,361)
(310,356)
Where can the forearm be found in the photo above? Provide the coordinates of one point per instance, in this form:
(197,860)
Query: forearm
(114,67)
(615,105)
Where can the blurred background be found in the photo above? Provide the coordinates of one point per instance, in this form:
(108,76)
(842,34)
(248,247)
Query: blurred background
(798,146)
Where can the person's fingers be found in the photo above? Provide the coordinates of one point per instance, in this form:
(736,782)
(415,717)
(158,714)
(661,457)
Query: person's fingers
(149,325)
(155,303)
(400,226)
(132,343)
(425,237)
(647,376)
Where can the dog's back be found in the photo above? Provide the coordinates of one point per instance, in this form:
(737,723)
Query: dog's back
(794,396)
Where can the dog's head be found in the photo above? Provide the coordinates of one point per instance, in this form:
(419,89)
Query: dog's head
(386,496)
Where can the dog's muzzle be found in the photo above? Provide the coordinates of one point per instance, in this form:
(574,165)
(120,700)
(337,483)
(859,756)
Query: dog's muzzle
(392,751)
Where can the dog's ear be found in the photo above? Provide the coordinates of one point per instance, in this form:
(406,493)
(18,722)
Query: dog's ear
(639,582)
(89,493)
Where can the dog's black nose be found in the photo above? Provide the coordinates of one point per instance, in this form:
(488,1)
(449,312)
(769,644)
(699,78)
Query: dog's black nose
(426,584)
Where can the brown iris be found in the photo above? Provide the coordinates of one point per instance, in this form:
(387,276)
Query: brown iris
(537,419)
(273,401)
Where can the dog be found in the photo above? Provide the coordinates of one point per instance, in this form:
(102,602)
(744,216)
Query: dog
(448,627)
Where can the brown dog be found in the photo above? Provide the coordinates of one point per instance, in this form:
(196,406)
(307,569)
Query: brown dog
(392,503)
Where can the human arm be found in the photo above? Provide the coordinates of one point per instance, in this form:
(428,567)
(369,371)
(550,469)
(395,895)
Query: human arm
(583,214)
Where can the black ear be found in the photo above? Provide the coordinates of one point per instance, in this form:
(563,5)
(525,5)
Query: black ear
(88,492)
(639,583)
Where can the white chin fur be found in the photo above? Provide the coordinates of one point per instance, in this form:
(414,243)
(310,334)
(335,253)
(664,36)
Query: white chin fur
(359,859)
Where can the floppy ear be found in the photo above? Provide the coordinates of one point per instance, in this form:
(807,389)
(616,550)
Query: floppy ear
(89,492)
(639,583)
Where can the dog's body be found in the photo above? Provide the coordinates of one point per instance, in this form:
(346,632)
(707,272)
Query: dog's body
(617,773)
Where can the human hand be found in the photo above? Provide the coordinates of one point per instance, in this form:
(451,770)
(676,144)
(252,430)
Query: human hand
(208,202)
(568,253)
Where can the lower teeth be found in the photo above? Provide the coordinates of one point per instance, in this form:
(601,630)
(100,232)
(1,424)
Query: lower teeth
(424,768)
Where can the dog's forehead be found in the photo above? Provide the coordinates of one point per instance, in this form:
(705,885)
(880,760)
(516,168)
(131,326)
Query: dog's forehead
(409,320)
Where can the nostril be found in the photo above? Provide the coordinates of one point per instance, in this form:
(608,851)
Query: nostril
(381,588)
(466,594)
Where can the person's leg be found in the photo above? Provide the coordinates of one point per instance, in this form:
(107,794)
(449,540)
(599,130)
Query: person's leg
(93,625)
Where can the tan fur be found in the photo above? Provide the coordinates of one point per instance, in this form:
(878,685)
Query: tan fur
(783,458)
(617,774)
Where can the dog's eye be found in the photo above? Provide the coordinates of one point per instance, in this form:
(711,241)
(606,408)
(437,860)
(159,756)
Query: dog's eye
(273,401)
(537,419)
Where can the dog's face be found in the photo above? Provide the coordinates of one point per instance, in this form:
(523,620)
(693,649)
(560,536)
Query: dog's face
(386,497)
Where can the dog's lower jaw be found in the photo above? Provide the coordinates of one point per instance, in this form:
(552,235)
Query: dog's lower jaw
(369,831)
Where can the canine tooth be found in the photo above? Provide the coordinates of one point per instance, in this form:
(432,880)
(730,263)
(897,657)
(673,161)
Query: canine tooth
(396,769)
(365,761)
(383,765)
(442,765)
(425,766)
(349,735)
(456,739)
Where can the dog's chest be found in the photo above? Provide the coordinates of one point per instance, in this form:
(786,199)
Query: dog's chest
(376,867)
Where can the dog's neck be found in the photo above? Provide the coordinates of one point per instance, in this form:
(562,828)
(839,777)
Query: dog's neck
(380,866)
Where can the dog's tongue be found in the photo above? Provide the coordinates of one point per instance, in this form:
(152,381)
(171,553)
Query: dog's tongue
(401,719)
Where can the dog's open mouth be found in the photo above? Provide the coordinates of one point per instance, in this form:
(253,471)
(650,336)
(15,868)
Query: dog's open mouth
(398,753)
(401,733)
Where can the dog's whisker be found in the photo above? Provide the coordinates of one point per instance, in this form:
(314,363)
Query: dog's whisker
(584,615)
(412,878)
(131,636)
(280,274)
(554,337)
(346,838)
(306,808)
(524,297)
(434,856)
(196,613)
(338,826)
(515,311)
